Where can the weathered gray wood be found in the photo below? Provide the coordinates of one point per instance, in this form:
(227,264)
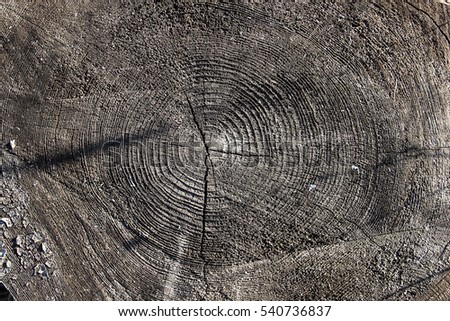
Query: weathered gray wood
(226,151)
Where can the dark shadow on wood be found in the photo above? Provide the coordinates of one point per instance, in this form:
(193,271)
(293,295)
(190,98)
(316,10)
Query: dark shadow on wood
(5,295)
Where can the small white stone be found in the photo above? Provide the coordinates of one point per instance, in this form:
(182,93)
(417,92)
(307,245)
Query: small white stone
(19,240)
(6,221)
(19,251)
(312,187)
(49,264)
(12,144)
(41,269)
(36,238)
(355,168)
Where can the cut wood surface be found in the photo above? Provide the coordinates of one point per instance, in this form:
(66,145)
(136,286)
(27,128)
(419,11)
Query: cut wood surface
(220,151)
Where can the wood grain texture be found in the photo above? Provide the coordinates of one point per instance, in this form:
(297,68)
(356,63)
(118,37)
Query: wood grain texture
(219,151)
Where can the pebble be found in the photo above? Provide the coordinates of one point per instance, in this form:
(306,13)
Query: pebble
(25,223)
(6,234)
(6,221)
(19,251)
(19,240)
(36,237)
(49,264)
(312,187)
(44,247)
(12,144)
(8,264)
(41,270)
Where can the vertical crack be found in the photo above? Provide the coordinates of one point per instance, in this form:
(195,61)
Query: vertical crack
(205,193)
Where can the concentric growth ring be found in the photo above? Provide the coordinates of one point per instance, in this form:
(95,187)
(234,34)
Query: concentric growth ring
(245,145)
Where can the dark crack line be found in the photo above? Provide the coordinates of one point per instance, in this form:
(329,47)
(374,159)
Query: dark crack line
(203,134)
(205,194)
(415,283)
(431,18)
(441,25)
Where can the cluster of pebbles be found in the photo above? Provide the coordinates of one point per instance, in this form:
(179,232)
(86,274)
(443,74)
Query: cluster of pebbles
(22,247)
